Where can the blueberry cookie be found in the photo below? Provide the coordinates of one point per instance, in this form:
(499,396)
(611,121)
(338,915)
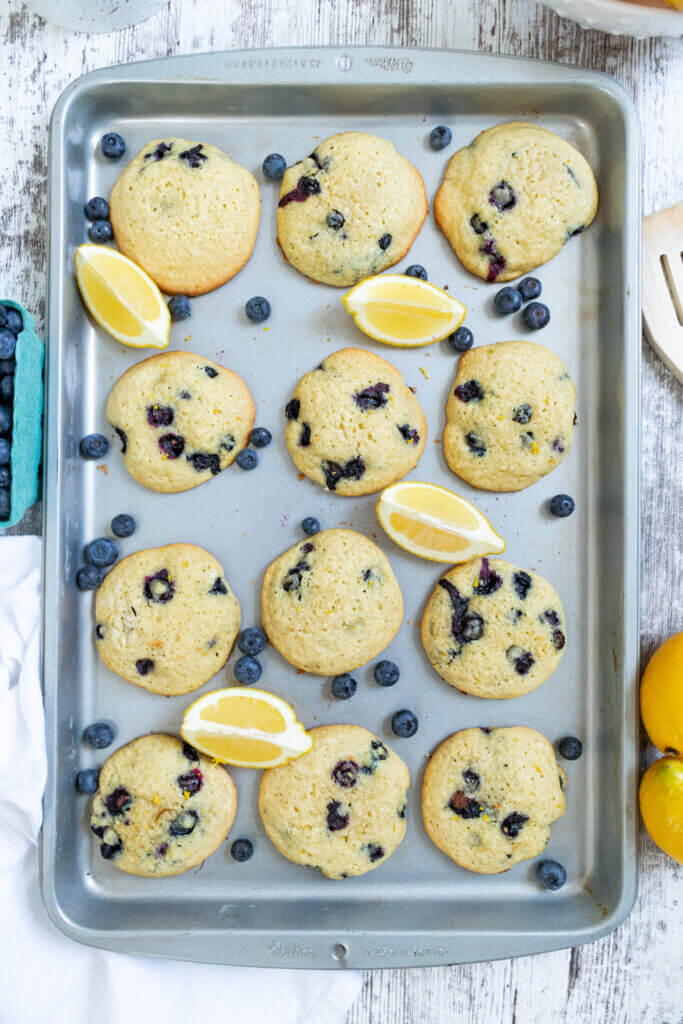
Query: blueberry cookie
(166,618)
(512,198)
(493,630)
(341,807)
(161,807)
(509,416)
(332,603)
(180,418)
(350,209)
(186,213)
(490,797)
(353,425)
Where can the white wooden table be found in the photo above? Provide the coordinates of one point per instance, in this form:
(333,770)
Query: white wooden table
(634,975)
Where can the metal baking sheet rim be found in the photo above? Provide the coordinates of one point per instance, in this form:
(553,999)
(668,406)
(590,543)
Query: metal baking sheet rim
(387,948)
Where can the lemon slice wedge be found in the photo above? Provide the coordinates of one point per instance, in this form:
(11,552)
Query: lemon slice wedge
(403,311)
(432,522)
(245,727)
(121,297)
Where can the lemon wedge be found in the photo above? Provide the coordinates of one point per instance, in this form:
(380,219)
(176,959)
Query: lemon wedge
(403,311)
(432,522)
(245,727)
(121,297)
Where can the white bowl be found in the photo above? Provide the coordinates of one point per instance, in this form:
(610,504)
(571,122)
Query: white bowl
(641,20)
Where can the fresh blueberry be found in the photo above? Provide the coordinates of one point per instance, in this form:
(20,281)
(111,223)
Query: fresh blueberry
(404,723)
(274,166)
(87,781)
(507,300)
(101,552)
(257,309)
(570,748)
(243,849)
(310,525)
(8,343)
(112,145)
(252,641)
(386,673)
(461,340)
(99,735)
(247,670)
(536,315)
(7,366)
(344,687)
(94,446)
(5,503)
(551,874)
(5,451)
(3,315)
(5,476)
(100,231)
(179,307)
(97,208)
(416,270)
(561,505)
(7,388)
(335,220)
(260,437)
(440,137)
(5,420)
(89,577)
(247,459)
(529,288)
(123,525)
(15,322)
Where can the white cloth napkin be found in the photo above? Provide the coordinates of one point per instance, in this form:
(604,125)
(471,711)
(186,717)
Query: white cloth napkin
(44,976)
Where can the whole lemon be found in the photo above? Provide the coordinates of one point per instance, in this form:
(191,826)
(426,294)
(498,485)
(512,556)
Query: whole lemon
(661,696)
(661,805)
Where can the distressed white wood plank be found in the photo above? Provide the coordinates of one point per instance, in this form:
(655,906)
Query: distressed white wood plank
(633,975)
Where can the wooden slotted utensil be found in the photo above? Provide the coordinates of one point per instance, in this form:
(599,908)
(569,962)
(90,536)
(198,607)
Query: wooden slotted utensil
(663,285)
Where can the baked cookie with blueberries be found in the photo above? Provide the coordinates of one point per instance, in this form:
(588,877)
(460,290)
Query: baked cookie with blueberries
(351,209)
(490,797)
(512,198)
(509,416)
(353,425)
(166,618)
(181,419)
(493,630)
(331,603)
(161,807)
(341,807)
(186,213)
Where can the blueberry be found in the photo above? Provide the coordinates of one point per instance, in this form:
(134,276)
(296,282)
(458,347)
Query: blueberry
(465,806)
(507,300)
(529,288)
(99,735)
(184,823)
(101,552)
(191,782)
(274,166)
(536,315)
(513,824)
(260,437)
(292,409)
(386,673)
(172,445)
(247,459)
(257,309)
(335,820)
(218,586)
(5,451)
(489,581)
(5,476)
(502,196)
(123,525)
(7,388)
(100,231)
(158,588)
(310,525)
(461,340)
(87,781)
(243,849)
(179,307)
(7,366)
(470,391)
(3,315)
(247,670)
(522,413)
(345,774)
(550,874)
(143,666)
(561,505)
(252,641)
(8,343)
(404,723)
(112,145)
(308,186)
(5,420)
(335,220)
(344,687)
(384,242)
(479,226)
(89,577)
(94,446)
(570,748)
(416,270)
(5,504)
(97,208)
(15,322)
(440,137)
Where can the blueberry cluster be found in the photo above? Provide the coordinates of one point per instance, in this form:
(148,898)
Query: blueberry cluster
(101,553)
(251,641)
(11,324)
(97,212)
(508,300)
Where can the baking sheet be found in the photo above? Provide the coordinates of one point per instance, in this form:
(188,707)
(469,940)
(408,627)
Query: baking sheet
(419,908)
